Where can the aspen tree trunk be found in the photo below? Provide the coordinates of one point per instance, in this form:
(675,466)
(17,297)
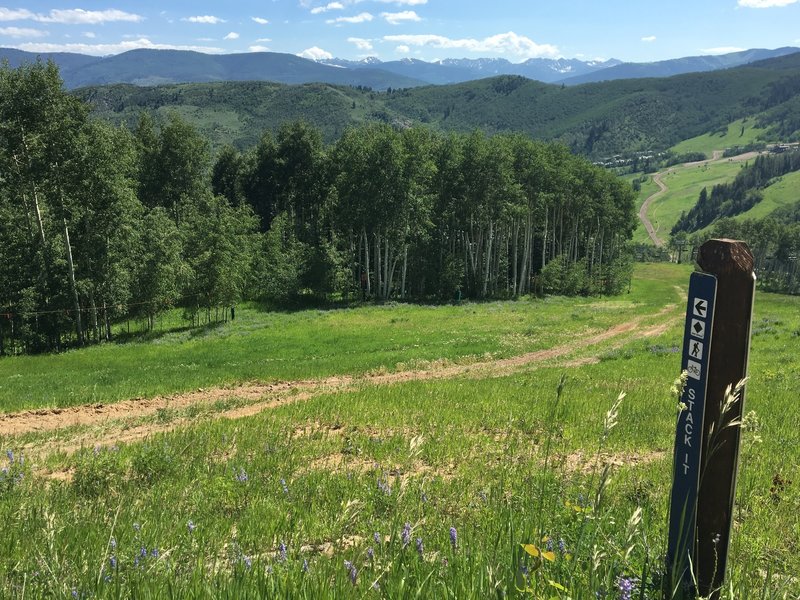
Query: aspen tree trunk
(405,269)
(366,261)
(76,301)
(515,257)
(378,285)
(488,259)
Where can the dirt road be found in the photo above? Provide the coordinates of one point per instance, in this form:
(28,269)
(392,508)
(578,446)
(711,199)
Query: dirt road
(652,231)
(121,422)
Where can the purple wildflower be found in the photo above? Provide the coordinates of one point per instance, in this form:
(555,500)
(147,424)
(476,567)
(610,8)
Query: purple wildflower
(154,553)
(242,476)
(248,562)
(377,537)
(10,455)
(420,548)
(191,526)
(549,544)
(112,561)
(625,586)
(370,553)
(406,534)
(75,593)
(282,550)
(352,571)
(424,497)
(305,565)
(143,551)
(562,546)
(384,487)
(453,537)
(284,486)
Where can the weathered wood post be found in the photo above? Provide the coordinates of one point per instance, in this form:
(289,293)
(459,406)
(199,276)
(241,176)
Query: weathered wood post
(715,353)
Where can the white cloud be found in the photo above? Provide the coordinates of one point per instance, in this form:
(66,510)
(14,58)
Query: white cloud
(106,49)
(315,53)
(22,32)
(232,36)
(402,49)
(89,34)
(765,3)
(19,14)
(78,16)
(361,43)
(721,50)
(400,2)
(649,38)
(327,7)
(206,39)
(401,17)
(362,18)
(502,43)
(258,49)
(260,20)
(205,19)
(263,40)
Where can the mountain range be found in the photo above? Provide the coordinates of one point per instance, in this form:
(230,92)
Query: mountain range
(145,67)
(596,119)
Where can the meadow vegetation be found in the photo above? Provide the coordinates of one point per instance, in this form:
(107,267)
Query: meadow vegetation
(528,481)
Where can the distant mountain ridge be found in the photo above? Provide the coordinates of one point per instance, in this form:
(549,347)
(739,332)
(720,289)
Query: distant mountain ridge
(146,67)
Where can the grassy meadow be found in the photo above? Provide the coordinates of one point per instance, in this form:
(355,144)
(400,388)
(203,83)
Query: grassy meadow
(738,133)
(527,481)
(685,185)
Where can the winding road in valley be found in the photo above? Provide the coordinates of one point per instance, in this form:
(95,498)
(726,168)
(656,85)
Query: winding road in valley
(652,231)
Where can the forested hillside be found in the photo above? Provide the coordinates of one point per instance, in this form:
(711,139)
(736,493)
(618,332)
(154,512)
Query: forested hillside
(100,223)
(596,120)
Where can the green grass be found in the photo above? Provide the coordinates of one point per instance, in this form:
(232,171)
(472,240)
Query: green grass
(505,460)
(685,184)
(270,346)
(784,192)
(739,133)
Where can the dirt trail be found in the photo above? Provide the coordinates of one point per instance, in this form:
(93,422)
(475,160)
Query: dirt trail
(716,156)
(107,424)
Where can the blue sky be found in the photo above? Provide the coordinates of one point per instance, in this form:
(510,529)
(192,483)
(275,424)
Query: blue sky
(643,30)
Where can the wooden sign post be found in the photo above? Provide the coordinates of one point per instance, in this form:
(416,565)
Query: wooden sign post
(715,353)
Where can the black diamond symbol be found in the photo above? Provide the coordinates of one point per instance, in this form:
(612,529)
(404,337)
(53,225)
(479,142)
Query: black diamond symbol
(698,327)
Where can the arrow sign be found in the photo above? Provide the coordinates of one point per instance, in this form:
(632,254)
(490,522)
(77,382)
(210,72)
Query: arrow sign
(682,545)
(700,307)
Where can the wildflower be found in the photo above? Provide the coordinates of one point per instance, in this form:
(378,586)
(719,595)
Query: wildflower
(406,535)
(305,565)
(453,537)
(191,526)
(113,543)
(154,553)
(112,561)
(420,549)
(424,497)
(242,476)
(562,546)
(352,571)
(10,455)
(137,527)
(75,593)
(625,586)
(370,553)
(384,487)
(143,552)
(284,486)
(549,544)
(282,551)
(377,537)
(248,562)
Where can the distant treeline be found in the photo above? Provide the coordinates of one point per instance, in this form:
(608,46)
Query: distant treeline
(98,223)
(731,199)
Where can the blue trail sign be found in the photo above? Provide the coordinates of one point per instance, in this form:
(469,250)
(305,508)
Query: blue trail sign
(689,432)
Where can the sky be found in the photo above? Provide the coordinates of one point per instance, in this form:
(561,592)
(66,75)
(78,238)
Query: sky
(628,30)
